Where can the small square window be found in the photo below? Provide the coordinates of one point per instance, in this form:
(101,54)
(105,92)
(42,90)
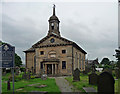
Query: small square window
(63,64)
(41,52)
(63,51)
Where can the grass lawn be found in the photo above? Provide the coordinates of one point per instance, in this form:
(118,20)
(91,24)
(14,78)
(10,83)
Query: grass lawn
(84,82)
(51,85)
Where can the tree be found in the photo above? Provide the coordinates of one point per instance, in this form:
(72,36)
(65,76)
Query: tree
(105,61)
(18,61)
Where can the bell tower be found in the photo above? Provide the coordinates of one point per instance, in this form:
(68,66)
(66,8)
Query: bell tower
(54,24)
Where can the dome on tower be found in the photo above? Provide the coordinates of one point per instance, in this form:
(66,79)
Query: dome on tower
(53,17)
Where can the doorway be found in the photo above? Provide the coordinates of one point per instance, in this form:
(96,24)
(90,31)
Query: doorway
(49,68)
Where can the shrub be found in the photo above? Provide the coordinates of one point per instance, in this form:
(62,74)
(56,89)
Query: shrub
(22,69)
(32,77)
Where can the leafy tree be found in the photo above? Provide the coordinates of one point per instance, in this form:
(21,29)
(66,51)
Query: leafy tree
(105,61)
(18,61)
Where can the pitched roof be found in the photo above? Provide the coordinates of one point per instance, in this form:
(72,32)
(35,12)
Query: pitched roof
(64,39)
(30,50)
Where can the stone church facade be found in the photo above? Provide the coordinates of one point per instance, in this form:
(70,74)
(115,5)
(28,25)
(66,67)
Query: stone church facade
(54,54)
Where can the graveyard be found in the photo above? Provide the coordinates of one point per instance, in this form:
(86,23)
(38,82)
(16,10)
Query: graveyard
(46,85)
(25,80)
(33,84)
(84,82)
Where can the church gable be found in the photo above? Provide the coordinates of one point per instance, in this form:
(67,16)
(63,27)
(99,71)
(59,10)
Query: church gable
(52,40)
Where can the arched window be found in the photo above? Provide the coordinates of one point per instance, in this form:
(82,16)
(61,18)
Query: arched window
(76,61)
(52,25)
(82,62)
(79,61)
(52,54)
(34,63)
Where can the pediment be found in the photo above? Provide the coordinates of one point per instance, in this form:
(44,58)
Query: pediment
(52,40)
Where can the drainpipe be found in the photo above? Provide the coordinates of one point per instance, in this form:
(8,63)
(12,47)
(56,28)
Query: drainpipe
(72,59)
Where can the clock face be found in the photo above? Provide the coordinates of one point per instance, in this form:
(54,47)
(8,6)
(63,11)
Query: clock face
(52,40)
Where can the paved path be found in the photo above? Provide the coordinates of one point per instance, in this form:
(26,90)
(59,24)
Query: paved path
(64,85)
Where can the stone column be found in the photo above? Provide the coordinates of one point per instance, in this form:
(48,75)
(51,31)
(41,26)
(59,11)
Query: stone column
(45,68)
(55,68)
(52,69)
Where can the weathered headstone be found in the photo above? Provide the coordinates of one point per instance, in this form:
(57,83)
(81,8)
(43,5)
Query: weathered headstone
(44,77)
(105,83)
(76,75)
(93,79)
(8,84)
(17,71)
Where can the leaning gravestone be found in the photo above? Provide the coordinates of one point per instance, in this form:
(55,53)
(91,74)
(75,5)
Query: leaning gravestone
(105,83)
(76,75)
(93,79)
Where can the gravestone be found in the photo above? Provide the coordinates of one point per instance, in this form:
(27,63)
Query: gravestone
(8,84)
(93,79)
(17,71)
(105,83)
(44,77)
(76,75)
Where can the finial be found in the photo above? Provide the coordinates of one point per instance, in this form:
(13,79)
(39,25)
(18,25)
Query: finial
(53,9)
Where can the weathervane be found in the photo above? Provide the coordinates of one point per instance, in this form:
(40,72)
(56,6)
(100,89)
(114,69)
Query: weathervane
(53,5)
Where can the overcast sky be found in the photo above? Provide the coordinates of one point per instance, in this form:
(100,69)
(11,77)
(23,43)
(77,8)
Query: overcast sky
(92,25)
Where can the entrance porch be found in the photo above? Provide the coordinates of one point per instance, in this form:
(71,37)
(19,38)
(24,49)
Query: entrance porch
(50,68)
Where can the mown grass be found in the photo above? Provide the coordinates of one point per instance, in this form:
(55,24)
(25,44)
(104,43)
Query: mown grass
(51,85)
(84,82)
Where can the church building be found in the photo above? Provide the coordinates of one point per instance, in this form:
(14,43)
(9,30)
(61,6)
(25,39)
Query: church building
(55,55)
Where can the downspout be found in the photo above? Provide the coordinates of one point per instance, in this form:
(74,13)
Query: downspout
(72,59)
